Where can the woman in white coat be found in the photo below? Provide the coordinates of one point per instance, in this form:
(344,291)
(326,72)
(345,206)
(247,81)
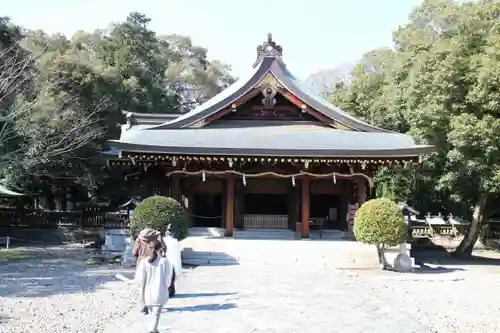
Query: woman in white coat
(155,276)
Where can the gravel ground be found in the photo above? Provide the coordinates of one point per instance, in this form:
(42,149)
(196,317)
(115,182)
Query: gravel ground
(447,298)
(299,298)
(57,292)
(278,298)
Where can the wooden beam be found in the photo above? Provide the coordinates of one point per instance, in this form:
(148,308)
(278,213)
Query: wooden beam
(299,103)
(252,93)
(229,207)
(305,206)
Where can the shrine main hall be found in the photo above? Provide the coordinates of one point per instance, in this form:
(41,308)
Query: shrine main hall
(265,153)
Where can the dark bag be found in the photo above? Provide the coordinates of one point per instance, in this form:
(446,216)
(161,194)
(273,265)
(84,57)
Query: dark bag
(171,289)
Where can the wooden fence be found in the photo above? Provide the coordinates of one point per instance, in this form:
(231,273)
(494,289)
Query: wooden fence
(100,217)
(421,230)
(44,219)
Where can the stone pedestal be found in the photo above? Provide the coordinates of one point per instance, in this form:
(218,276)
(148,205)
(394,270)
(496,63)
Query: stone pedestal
(398,257)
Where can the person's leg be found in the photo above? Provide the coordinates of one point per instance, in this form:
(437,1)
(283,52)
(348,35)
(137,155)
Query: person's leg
(155,312)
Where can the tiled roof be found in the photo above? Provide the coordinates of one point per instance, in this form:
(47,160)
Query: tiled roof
(268,138)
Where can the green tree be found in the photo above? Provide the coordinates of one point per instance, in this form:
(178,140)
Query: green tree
(380,222)
(190,74)
(443,85)
(69,95)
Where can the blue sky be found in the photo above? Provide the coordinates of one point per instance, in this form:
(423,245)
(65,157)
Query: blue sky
(314,34)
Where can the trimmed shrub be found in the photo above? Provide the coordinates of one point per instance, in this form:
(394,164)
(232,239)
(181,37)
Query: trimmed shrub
(157,213)
(380,222)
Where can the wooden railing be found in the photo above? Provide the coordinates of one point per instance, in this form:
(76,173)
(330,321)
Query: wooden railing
(425,231)
(44,219)
(257,221)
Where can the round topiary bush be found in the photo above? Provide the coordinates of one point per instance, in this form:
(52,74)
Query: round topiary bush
(157,213)
(380,222)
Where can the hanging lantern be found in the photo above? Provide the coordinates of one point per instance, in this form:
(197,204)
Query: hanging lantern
(334,179)
(293,181)
(244,180)
(203,177)
(230,162)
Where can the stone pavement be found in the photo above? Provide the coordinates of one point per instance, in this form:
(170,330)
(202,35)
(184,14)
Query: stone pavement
(284,298)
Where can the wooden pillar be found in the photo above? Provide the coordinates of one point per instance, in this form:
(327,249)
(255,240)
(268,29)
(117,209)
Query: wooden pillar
(345,189)
(293,207)
(223,202)
(229,207)
(360,199)
(305,206)
(175,188)
(361,186)
(190,202)
(239,205)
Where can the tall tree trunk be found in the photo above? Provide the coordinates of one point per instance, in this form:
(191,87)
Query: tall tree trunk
(479,216)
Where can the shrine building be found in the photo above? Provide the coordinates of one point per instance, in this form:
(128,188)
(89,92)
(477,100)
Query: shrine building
(265,153)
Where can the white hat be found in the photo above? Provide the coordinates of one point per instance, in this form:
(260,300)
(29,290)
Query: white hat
(146,232)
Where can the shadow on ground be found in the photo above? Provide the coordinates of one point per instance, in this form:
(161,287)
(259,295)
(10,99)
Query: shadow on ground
(52,271)
(196,295)
(203,307)
(424,269)
(444,258)
(4,318)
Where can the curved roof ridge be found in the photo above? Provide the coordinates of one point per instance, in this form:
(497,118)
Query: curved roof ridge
(268,62)
(222,99)
(315,100)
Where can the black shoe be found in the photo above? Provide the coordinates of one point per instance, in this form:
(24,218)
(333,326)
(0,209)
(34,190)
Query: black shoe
(171,292)
(145,310)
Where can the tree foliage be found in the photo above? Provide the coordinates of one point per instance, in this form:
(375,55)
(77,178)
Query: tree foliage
(62,98)
(380,221)
(440,84)
(157,213)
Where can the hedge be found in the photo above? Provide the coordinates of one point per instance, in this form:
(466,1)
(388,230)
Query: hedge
(157,212)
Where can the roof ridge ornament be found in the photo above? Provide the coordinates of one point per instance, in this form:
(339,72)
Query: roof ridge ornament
(268,49)
(269,88)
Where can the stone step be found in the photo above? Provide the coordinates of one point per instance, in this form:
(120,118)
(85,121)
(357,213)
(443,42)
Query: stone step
(341,260)
(201,254)
(342,253)
(209,261)
(206,232)
(327,235)
(342,264)
(264,234)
